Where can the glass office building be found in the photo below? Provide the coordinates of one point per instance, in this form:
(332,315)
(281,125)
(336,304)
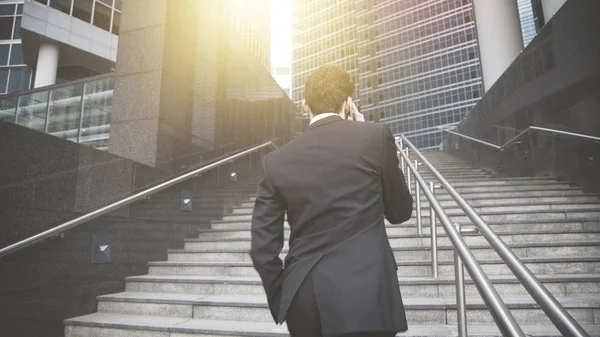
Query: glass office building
(324,32)
(416,62)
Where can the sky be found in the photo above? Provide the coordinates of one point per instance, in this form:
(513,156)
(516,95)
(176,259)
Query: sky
(281,33)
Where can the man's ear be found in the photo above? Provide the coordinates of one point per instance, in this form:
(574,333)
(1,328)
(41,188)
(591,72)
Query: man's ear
(306,108)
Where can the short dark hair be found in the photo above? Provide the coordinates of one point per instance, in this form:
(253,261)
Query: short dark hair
(327,88)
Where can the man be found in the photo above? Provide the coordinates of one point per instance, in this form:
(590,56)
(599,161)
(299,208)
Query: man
(335,181)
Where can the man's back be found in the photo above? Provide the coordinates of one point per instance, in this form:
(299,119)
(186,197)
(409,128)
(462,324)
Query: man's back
(331,177)
(335,181)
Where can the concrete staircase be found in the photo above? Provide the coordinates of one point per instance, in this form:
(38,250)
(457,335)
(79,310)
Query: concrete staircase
(209,288)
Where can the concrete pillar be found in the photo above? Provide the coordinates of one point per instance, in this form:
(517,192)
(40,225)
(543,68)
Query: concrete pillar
(550,7)
(500,38)
(47,65)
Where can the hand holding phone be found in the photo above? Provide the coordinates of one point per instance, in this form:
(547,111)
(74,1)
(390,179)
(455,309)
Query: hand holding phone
(356,115)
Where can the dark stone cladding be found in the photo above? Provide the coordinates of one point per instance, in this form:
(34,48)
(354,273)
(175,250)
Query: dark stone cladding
(45,180)
(554,83)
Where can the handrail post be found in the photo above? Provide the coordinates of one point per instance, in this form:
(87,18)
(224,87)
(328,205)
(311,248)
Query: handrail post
(123,202)
(408,173)
(418,197)
(432,223)
(459,280)
(401,157)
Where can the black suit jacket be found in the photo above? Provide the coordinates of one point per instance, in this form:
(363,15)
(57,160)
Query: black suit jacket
(336,182)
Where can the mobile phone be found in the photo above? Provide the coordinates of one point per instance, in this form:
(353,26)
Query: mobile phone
(348,113)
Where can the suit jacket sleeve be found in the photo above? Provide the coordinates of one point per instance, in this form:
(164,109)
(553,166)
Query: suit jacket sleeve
(398,203)
(267,239)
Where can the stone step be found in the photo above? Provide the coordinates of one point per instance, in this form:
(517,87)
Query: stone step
(416,240)
(410,228)
(411,253)
(508,199)
(558,285)
(586,223)
(489,216)
(526,191)
(115,325)
(508,205)
(537,265)
(420,310)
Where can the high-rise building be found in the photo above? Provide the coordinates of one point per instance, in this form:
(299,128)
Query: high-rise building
(323,32)
(416,63)
(66,40)
(252,21)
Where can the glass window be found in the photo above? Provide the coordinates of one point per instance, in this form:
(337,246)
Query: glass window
(116,23)
(20,9)
(7,9)
(17,32)
(3,82)
(118,4)
(64,112)
(102,17)
(6,27)
(45,2)
(31,111)
(16,54)
(82,9)
(109,3)
(61,5)
(95,122)
(4,48)
(8,108)
(19,79)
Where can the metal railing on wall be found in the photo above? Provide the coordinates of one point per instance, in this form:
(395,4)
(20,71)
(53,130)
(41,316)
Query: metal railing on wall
(563,321)
(517,139)
(128,200)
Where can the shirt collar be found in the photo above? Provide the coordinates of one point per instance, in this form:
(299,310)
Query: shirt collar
(321,116)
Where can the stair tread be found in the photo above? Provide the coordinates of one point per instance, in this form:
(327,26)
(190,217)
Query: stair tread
(270,329)
(413,225)
(427,235)
(412,248)
(574,301)
(401,280)
(399,263)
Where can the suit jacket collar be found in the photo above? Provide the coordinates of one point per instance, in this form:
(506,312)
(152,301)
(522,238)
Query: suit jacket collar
(325,121)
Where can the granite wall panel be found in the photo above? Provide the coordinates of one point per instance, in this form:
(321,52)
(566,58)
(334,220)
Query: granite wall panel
(554,83)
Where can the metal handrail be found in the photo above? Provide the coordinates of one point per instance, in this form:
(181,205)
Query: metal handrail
(517,139)
(138,196)
(563,321)
(502,316)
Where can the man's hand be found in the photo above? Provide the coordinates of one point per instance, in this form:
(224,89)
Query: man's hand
(356,115)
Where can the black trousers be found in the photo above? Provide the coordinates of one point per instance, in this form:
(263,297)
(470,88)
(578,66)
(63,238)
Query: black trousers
(303,318)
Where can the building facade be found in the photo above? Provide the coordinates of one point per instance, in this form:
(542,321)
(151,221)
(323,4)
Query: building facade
(323,32)
(43,42)
(251,19)
(14,73)
(416,63)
